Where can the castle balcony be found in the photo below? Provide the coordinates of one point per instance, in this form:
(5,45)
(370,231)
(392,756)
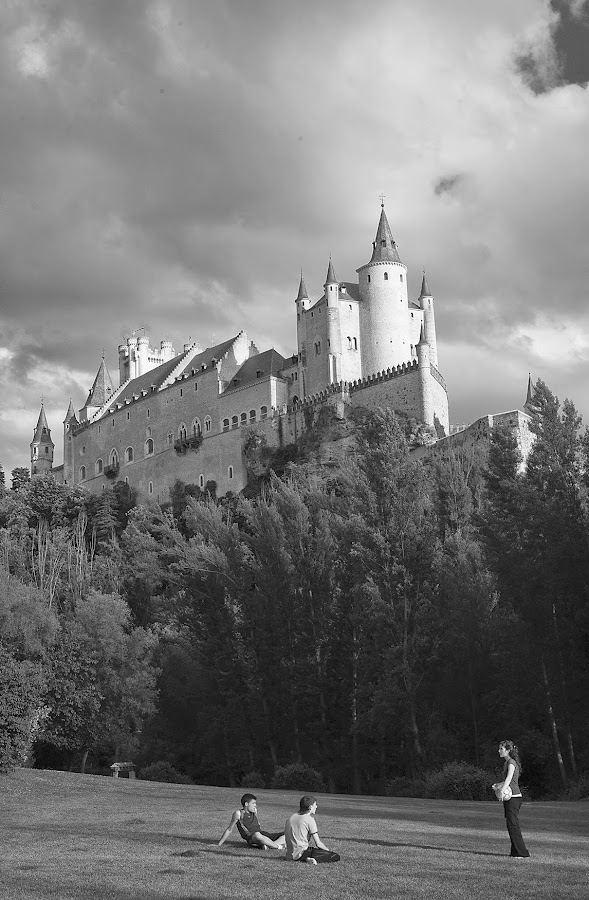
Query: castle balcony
(192,442)
(111,471)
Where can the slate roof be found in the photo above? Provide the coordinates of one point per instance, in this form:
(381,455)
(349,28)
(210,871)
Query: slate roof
(384,247)
(270,362)
(42,431)
(159,375)
(102,389)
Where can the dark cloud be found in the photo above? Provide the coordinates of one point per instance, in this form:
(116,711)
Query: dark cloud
(563,57)
(446,185)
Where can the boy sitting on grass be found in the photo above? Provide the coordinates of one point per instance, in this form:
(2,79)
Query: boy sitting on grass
(303,843)
(249,827)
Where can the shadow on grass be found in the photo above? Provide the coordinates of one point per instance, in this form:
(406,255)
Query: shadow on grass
(419,846)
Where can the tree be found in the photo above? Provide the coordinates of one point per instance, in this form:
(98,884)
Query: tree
(103,686)
(21,706)
(21,478)
(535,536)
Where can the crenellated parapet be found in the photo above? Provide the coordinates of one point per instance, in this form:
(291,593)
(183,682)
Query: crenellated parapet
(396,372)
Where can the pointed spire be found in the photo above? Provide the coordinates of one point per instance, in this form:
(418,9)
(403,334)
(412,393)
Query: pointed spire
(102,388)
(425,291)
(302,294)
(42,430)
(384,247)
(331,279)
(530,405)
(70,414)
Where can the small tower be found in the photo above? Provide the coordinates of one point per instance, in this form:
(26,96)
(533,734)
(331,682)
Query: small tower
(384,310)
(68,445)
(425,378)
(42,446)
(334,337)
(426,301)
(302,304)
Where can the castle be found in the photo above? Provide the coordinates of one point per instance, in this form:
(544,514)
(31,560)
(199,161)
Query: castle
(189,415)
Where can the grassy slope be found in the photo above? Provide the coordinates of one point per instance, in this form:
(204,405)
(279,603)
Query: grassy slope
(72,836)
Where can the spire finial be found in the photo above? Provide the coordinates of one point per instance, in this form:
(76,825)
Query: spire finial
(382,197)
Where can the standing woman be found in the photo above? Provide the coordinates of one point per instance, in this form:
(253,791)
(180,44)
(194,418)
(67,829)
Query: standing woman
(511,771)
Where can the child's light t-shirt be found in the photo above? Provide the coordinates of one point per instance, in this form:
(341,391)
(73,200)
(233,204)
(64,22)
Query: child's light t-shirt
(298,831)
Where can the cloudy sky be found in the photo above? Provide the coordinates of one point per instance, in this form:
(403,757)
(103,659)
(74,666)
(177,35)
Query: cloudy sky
(172,165)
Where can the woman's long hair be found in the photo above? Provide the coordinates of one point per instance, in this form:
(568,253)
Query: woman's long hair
(513,752)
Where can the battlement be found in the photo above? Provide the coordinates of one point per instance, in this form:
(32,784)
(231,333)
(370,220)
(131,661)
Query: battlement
(395,372)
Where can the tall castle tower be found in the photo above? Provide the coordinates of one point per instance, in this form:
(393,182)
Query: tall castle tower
(384,321)
(42,446)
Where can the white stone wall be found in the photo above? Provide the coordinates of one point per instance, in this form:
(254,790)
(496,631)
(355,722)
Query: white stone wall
(384,320)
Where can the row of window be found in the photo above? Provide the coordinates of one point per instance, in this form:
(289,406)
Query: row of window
(386,277)
(237,421)
(195,431)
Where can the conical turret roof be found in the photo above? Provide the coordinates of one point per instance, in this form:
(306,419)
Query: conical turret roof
(70,414)
(530,405)
(384,247)
(102,389)
(330,279)
(302,294)
(42,431)
(425,291)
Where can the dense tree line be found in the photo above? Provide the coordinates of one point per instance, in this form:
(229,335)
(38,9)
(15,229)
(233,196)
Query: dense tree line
(374,620)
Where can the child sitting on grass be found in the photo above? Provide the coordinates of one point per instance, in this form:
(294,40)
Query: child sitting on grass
(249,827)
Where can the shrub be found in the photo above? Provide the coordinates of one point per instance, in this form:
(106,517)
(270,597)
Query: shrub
(458,781)
(21,688)
(579,790)
(163,771)
(405,787)
(298,777)
(253,779)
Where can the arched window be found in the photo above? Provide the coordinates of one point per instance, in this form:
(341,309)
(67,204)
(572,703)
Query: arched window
(98,467)
(182,431)
(252,415)
(230,471)
(234,422)
(150,487)
(114,458)
(148,432)
(369,278)
(264,412)
(129,455)
(355,343)
(386,276)
(82,472)
(401,277)
(243,419)
(201,481)
(225,424)
(148,447)
(196,428)
(349,343)
(207,424)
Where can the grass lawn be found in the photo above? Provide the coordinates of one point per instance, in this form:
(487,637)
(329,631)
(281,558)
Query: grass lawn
(81,837)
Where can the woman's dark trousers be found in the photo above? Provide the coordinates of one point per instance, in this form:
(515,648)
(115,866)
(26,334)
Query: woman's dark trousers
(511,809)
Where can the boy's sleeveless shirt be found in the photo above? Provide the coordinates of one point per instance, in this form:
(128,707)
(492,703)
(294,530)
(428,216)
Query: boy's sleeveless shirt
(248,825)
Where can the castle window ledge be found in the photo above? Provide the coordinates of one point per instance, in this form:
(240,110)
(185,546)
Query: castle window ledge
(111,471)
(144,393)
